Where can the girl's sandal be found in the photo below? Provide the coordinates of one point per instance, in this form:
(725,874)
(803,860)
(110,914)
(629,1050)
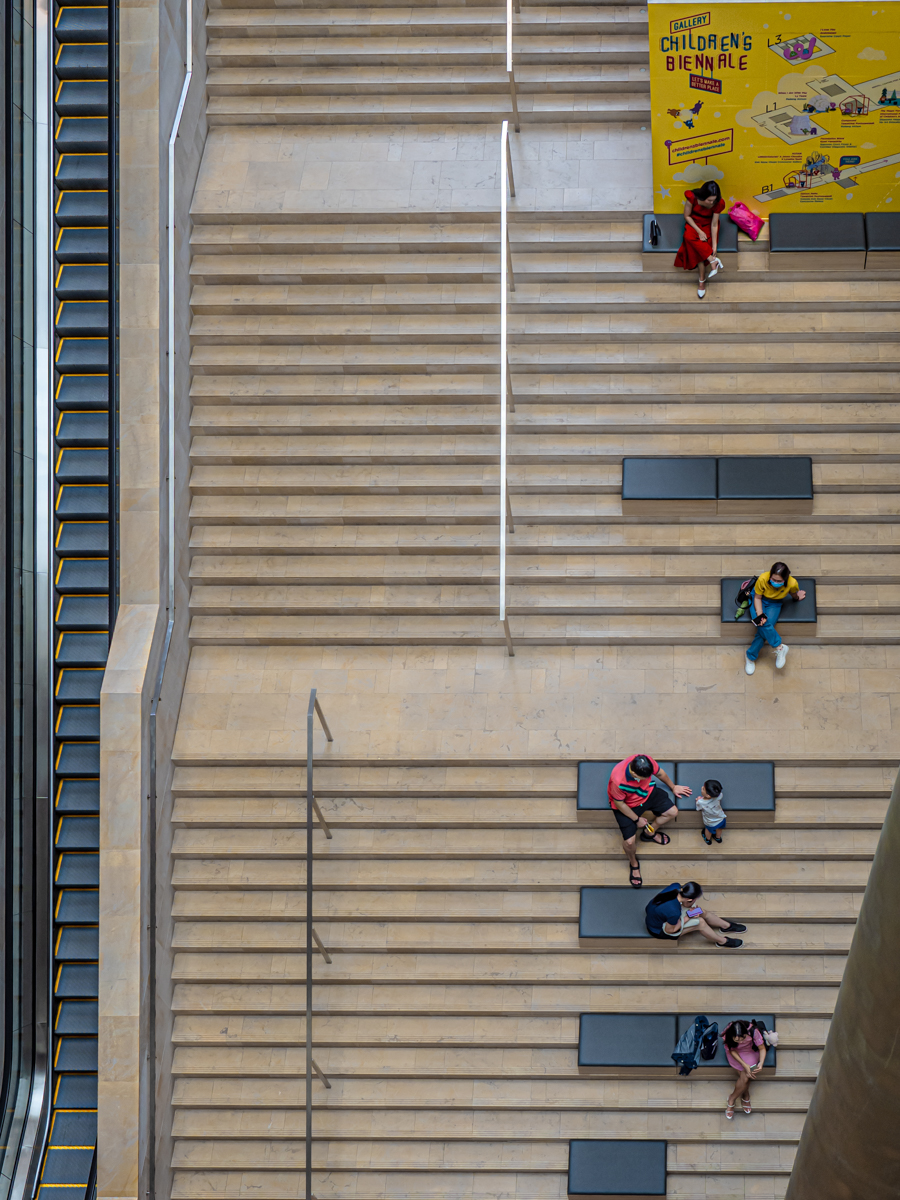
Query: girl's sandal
(729,1112)
(745,1105)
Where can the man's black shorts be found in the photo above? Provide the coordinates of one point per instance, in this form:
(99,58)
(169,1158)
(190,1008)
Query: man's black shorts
(658,802)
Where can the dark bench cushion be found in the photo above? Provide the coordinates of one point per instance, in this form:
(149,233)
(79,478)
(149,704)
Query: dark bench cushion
(614,912)
(627,1039)
(685,1022)
(791,611)
(883,231)
(786,477)
(617,1168)
(671,233)
(748,786)
(816,232)
(593,778)
(669,479)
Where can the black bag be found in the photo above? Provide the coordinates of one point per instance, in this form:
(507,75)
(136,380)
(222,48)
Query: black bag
(709,1043)
(744,594)
(655,233)
(688,1048)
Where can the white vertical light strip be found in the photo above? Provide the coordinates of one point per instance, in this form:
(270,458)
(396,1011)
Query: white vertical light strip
(170,258)
(509,23)
(504,135)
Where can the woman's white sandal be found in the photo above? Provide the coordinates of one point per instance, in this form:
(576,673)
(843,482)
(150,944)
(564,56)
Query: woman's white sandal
(701,291)
(729,1112)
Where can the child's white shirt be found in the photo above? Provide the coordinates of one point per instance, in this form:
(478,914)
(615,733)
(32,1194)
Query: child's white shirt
(712,810)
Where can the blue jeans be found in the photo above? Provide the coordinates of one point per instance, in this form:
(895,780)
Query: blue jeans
(768,632)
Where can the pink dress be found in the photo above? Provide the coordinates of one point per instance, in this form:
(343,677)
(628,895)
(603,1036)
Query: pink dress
(749,1048)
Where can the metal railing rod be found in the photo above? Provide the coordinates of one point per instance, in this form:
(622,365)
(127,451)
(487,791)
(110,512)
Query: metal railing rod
(504,362)
(322,717)
(511,182)
(511,279)
(509,515)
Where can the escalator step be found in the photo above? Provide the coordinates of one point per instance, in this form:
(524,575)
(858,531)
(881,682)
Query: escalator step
(78,833)
(76,1091)
(83,354)
(82,98)
(82,537)
(82,135)
(83,245)
(78,721)
(77,1016)
(81,24)
(82,208)
(83,318)
(78,758)
(66,1167)
(85,60)
(76,1054)
(83,170)
(78,795)
(82,650)
(48,1191)
(76,979)
(78,908)
(82,574)
(83,391)
(86,501)
(78,870)
(83,466)
(83,281)
(83,428)
(77,943)
(73,1128)
(82,612)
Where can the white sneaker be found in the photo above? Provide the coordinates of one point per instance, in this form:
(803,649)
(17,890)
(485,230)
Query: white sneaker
(701,292)
(749,665)
(780,655)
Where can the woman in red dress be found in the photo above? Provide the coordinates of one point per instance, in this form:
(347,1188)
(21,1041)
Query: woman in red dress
(701,233)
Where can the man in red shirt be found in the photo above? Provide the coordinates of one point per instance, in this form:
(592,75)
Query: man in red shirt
(633,793)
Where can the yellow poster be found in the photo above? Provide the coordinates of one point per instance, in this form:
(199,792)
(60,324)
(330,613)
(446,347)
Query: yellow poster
(790,107)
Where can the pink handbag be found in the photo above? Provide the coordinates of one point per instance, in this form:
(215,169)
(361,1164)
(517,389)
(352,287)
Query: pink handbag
(746,220)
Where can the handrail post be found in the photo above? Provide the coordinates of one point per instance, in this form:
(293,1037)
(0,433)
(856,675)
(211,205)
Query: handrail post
(509,515)
(509,267)
(514,99)
(509,168)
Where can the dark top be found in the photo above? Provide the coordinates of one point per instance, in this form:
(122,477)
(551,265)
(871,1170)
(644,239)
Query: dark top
(669,912)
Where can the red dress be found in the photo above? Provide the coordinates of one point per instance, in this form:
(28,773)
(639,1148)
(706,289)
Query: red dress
(692,251)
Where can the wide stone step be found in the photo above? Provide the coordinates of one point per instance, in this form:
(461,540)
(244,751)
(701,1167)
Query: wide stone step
(550,998)
(241,109)
(369,21)
(226,867)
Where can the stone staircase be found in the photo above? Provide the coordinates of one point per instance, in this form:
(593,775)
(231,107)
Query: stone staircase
(344,536)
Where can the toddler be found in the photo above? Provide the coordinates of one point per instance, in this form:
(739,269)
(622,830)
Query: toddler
(709,804)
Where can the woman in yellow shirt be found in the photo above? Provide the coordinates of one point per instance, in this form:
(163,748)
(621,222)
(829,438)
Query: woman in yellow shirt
(771,590)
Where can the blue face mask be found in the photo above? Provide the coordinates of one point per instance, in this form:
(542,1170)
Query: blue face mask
(775,584)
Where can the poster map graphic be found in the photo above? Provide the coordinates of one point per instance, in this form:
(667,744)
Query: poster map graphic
(789,107)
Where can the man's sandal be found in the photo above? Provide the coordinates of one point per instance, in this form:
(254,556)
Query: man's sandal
(635,883)
(661,839)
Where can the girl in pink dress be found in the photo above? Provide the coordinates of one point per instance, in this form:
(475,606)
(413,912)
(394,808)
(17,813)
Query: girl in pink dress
(745,1049)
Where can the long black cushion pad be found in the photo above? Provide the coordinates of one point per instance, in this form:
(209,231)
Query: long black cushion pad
(883,231)
(593,778)
(747,786)
(669,479)
(685,1021)
(812,232)
(671,233)
(614,912)
(785,477)
(617,1168)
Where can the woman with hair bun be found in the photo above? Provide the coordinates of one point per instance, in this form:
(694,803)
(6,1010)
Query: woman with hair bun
(701,233)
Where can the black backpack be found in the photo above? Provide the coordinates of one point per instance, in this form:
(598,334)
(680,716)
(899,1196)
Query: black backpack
(709,1043)
(742,599)
(686,1052)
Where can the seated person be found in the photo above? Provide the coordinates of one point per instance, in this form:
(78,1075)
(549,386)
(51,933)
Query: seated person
(632,793)
(675,911)
(772,588)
